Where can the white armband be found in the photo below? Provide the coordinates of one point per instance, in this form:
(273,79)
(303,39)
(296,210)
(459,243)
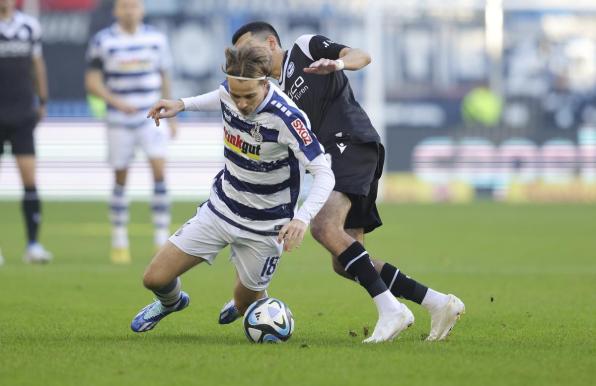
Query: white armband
(340,64)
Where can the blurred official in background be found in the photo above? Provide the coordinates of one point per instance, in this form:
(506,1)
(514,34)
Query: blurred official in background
(23,97)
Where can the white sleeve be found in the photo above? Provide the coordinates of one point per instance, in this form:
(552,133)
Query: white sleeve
(323,184)
(203,102)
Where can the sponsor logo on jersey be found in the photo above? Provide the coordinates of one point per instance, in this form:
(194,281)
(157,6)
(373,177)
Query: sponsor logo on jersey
(237,144)
(298,89)
(290,70)
(341,146)
(133,65)
(15,48)
(302,131)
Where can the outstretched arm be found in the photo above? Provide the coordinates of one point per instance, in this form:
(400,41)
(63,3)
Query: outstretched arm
(168,108)
(349,59)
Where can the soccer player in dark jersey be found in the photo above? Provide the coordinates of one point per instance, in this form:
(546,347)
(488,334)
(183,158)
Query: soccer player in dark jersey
(311,73)
(23,96)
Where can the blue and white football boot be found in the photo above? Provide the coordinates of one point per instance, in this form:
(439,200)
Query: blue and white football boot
(228,313)
(149,316)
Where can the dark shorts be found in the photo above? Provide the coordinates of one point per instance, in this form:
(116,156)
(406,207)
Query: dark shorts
(357,171)
(20,136)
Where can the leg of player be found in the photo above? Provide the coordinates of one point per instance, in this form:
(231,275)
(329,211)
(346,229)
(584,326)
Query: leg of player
(229,312)
(444,309)
(160,204)
(31,206)
(328,228)
(120,253)
(244,297)
(162,276)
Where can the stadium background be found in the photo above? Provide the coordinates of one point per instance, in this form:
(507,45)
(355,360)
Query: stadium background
(526,272)
(473,101)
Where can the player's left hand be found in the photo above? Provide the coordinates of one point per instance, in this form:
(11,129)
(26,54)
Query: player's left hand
(292,234)
(322,67)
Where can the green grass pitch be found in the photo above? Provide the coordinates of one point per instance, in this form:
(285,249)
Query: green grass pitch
(526,273)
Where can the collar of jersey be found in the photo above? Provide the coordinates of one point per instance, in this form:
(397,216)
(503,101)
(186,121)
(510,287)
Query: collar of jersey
(266,100)
(119,31)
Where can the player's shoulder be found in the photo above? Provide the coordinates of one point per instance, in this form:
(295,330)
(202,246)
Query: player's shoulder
(281,106)
(24,18)
(102,35)
(303,43)
(150,30)
(27,20)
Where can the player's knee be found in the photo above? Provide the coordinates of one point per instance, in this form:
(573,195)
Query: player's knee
(323,230)
(153,280)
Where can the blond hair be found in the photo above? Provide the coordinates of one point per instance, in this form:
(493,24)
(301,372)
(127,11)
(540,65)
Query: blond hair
(250,62)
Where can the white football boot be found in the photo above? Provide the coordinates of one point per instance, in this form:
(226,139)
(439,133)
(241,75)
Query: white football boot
(37,254)
(391,325)
(443,319)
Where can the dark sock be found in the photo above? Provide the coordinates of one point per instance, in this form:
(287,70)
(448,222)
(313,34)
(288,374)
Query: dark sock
(356,262)
(402,285)
(32,212)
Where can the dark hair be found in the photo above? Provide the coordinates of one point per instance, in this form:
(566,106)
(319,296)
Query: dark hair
(248,61)
(254,28)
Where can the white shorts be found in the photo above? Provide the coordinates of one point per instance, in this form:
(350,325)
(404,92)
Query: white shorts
(255,256)
(123,142)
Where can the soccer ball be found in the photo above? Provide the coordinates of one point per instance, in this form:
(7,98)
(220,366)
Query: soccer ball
(268,320)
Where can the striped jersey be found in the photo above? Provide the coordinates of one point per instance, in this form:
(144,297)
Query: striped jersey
(20,42)
(131,65)
(265,155)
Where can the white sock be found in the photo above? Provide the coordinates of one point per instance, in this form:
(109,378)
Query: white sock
(169,296)
(434,300)
(119,217)
(160,207)
(386,302)
(119,237)
(160,237)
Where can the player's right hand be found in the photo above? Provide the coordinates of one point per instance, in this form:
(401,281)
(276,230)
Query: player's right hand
(123,106)
(165,108)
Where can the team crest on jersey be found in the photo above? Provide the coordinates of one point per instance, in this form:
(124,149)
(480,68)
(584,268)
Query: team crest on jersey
(302,131)
(290,70)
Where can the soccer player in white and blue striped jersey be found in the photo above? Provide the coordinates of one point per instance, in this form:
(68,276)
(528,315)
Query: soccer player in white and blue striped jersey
(252,206)
(127,68)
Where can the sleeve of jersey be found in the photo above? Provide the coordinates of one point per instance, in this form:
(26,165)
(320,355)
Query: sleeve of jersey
(204,102)
(298,136)
(36,36)
(93,56)
(323,184)
(323,47)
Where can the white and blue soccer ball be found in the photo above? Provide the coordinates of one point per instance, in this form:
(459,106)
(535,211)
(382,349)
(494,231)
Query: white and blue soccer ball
(268,320)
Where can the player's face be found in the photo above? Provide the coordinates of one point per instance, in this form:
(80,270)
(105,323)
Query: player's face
(248,94)
(129,12)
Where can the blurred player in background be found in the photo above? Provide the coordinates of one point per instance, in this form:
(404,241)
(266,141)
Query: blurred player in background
(127,68)
(23,97)
(311,73)
(252,205)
